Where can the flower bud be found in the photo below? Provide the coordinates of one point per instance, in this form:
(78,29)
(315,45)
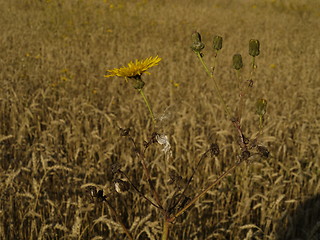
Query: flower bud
(196,37)
(237,61)
(217,43)
(254,47)
(197,45)
(261,107)
(138,83)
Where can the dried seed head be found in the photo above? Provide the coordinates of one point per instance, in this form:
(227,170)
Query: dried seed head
(245,139)
(214,149)
(121,186)
(254,47)
(100,196)
(217,43)
(124,131)
(264,152)
(164,141)
(245,155)
(237,61)
(96,194)
(92,191)
(261,107)
(115,168)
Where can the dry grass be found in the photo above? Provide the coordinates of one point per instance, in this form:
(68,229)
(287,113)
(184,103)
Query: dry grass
(60,119)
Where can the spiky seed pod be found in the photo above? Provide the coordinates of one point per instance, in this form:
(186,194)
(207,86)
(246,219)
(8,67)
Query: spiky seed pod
(217,43)
(254,47)
(214,149)
(261,107)
(237,61)
(196,37)
(197,45)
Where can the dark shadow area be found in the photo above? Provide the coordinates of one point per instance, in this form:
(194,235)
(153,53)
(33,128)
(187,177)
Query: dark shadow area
(303,223)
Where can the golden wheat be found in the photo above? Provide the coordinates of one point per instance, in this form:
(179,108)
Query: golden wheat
(60,118)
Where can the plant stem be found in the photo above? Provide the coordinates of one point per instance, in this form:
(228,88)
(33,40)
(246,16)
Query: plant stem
(215,85)
(146,171)
(165,232)
(147,103)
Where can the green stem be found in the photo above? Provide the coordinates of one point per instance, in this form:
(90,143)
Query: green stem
(147,103)
(215,85)
(165,232)
(241,95)
(253,63)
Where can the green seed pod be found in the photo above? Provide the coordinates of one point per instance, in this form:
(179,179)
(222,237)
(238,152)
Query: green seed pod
(138,83)
(217,43)
(237,61)
(197,46)
(196,37)
(254,47)
(261,107)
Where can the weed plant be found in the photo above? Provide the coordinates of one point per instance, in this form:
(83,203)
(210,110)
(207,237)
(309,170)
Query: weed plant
(74,145)
(172,203)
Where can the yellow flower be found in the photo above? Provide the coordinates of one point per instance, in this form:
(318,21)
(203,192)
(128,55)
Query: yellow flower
(134,68)
(272,65)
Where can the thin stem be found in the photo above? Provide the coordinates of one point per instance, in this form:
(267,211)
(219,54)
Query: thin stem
(147,103)
(253,64)
(155,193)
(215,85)
(261,120)
(241,95)
(165,231)
(205,191)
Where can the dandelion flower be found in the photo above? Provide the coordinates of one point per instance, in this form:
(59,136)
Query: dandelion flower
(134,68)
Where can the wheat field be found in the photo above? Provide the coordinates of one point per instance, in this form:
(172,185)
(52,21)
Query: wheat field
(60,118)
